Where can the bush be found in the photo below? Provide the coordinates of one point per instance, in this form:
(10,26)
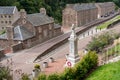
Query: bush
(25,77)
(99,42)
(37,66)
(68,74)
(53,77)
(80,71)
(42,77)
(88,62)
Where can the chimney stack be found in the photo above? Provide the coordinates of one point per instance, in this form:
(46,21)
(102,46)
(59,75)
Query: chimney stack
(23,13)
(43,11)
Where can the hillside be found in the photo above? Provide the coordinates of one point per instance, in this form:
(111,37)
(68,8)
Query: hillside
(106,72)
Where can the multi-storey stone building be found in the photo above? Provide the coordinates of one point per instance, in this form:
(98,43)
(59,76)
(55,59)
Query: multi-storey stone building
(105,9)
(30,29)
(79,14)
(8,15)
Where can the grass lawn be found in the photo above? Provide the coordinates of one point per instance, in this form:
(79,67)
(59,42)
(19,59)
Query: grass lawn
(109,71)
(105,25)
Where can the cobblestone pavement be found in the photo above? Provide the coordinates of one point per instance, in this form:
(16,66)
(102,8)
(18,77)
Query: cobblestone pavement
(23,61)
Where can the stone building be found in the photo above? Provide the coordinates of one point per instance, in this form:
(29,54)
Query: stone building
(79,14)
(105,9)
(8,15)
(30,29)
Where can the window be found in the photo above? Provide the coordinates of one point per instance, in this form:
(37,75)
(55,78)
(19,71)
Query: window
(1,16)
(9,16)
(2,22)
(10,22)
(23,21)
(2,27)
(5,21)
(5,16)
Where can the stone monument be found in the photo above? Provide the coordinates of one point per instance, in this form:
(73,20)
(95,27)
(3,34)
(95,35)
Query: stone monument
(72,57)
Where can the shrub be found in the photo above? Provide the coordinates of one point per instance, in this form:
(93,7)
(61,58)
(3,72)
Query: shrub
(53,77)
(25,77)
(68,74)
(88,62)
(42,77)
(37,66)
(99,42)
(5,73)
(80,71)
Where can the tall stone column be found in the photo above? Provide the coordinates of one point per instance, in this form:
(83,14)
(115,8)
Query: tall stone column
(73,56)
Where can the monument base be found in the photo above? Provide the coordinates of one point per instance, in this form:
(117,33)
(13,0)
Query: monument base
(72,61)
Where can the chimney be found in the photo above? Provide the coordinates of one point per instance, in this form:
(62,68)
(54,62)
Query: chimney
(22,13)
(43,11)
(10,34)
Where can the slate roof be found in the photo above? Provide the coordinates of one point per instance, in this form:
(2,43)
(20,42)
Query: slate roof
(57,26)
(39,19)
(105,4)
(20,33)
(83,6)
(7,9)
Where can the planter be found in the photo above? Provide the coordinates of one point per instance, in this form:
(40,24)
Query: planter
(51,59)
(35,72)
(45,64)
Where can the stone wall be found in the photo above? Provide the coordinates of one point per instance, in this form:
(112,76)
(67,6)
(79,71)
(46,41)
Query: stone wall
(1,54)
(5,43)
(8,19)
(105,9)
(17,47)
(114,23)
(69,17)
(78,18)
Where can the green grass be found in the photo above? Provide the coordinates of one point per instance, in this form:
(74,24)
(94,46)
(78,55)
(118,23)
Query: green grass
(109,71)
(105,25)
